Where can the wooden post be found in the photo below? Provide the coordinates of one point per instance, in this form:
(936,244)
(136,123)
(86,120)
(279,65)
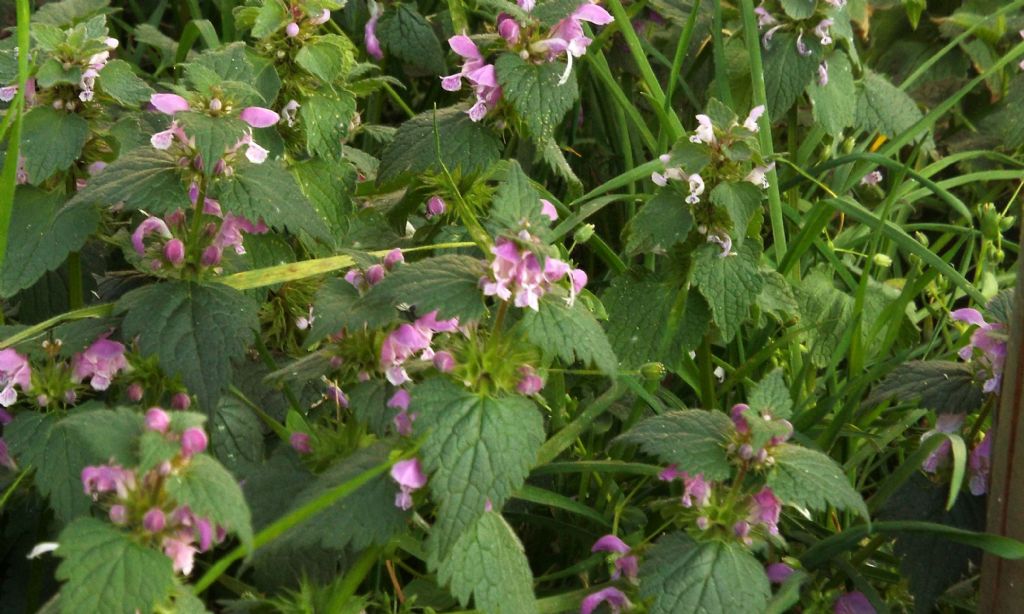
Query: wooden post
(1002,581)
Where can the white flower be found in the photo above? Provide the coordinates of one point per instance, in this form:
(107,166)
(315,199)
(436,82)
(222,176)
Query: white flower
(705,132)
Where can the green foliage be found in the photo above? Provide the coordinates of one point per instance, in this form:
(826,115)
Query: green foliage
(884,108)
(939,385)
(268,191)
(449,284)
(121,83)
(570,333)
(328,57)
(730,284)
(51,141)
(535,93)
(326,120)
(661,224)
(405,33)
(210,491)
(142,178)
(693,440)
(687,576)
(771,397)
(835,104)
(787,72)
(809,478)
(105,570)
(465,146)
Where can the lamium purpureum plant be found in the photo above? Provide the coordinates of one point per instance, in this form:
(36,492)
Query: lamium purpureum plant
(512,307)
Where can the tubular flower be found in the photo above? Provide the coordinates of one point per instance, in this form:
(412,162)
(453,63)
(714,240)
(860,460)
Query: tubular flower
(408,340)
(696,490)
(978,465)
(567,36)
(410,478)
(370,33)
(946,423)
(765,508)
(853,603)
(615,599)
(624,565)
(480,74)
(99,363)
(990,342)
(14,371)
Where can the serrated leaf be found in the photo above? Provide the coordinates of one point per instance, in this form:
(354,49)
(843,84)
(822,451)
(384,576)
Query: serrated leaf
(741,200)
(409,36)
(326,121)
(268,191)
(51,141)
(154,449)
(105,570)
(478,450)
(122,84)
(662,223)
(777,298)
(272,16)
(450,284)
(327,57)
(489,563)
(209,491)
(682,575)
(835,104)
(787,72)
(806,477)
(799,9)
(194,330)
(770,397)
(60,449)
(334,300)
(939,385)
(516,202)
(328,187)
(142,178)
(68,12)
(230,62)
(46,233)
(693,440)
(466,147)
(570,333)
(882,107)
(729,284)
(213,135)
(236,435)
(53,73)
(534,93)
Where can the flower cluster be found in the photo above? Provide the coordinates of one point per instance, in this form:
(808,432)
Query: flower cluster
(517,273)
(99,363)
(978,462)
(405,342)
(820,24)
(362,280)
(565,39)
(987,347)
(756,434)
(255,117)
(137,501)
(94,65)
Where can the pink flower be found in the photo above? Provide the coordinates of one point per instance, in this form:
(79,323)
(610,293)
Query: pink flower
(322,18)
(154,520)
(853,603)
(14,371)
(990,341)
(399,400)
(101,479)
(670,473)
(230,232)
(696,490)
(979,464)
(475,70)
(872,178)
(823,31)
(375,274)
(193,441)
(765,509)
(568,37)
(725,241)
(410,478)
(134,392)
(157,420)
(99,363)
(508,28)
(258,117)
(435,206)
(8,93)
(174,252)
(168,104)
(529,382)
(118,514)
(393,258)
(737,418)
(180,550)
(180,400)
(336,395)
(370,33)
(615,599)
(759,175)
(398,347)
(778,572)
(444,361)
(547,209)
(300,442)
(624,565)
(292,30)
(149,226)
(946,423)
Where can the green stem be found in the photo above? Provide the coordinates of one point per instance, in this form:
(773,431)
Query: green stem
(677,59)
(718,55)
(8,178)
(353,578)
(564,438)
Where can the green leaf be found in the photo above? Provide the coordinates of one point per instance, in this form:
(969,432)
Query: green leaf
(409,36)
(327,57)
(786,72)
(570,333)
(489,562)
(770,397)
(268,191)
(682,575)
(46,233)
(835,104)
(517,201)
(51,141)
(60,449)
(53,73)
(882,107)
(467,147)
(142,178)
(121,83)
(741,200)
(194,330)
(450,284)
(799,9)
(334,301)
(328,187)
(236,435)
(272,16)
(730,284)
(938,385)
(209,491)
(478,450)
(213,135)
(806,477)
(105,570)
(68,12)
(693,440)
(533,92)
(326,120)
(662,223)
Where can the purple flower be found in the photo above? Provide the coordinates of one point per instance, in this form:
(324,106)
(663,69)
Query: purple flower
(230,232)
(670,473)
(764,18)
(778,572)
(118,514)
(148,227)
(615,599)
(979,464)
(193,441)
(134,392)
(300,442)
(946,423)
(990,341)
(444,361)
(508,28)
(410,478)
(567,36)
(157,420)
(479,73)
(258,117)
(696,490)
(168,104)
(624,565)
(738,420)
(853,603)
(154,520)
(370,33)
(174,251)
(403,423)
(101,479)
(180,550)
(435,206)
(180,400)
(291,30)
(408,339)
(14,371)
(336,395)
(529,382)
(99,363)
(8,93)
(872,178)
(823,31)
(393,258)
(547,209)
(610,543)
(399,400)
(765,508)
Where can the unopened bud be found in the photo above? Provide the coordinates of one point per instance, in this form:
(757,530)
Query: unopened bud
(653,371)
(292,30)
(216,104)
(583,233)
(882,260)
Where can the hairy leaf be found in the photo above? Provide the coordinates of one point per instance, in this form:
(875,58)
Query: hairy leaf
(51,141)
(144,178)
(730,284)
(938,385)
(693,440)
(409,36)
(662,223)
(121,83)
(210,491)
(570,333)
(534,92)
(809,478)
(465,146)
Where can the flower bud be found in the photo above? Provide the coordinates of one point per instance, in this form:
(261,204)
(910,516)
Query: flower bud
(118,514)
(211,256)
(292,30)
(216,105)
(154,520)
(393,258)
(444,361)
(703,523)
(174,251)
(135,392)
(157,420)
(653,371)
(300,443)
(583,233)
(746,451)
(435,206)
(193,441)
(374,274)
(882,260)
(42,400)
(180,400)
